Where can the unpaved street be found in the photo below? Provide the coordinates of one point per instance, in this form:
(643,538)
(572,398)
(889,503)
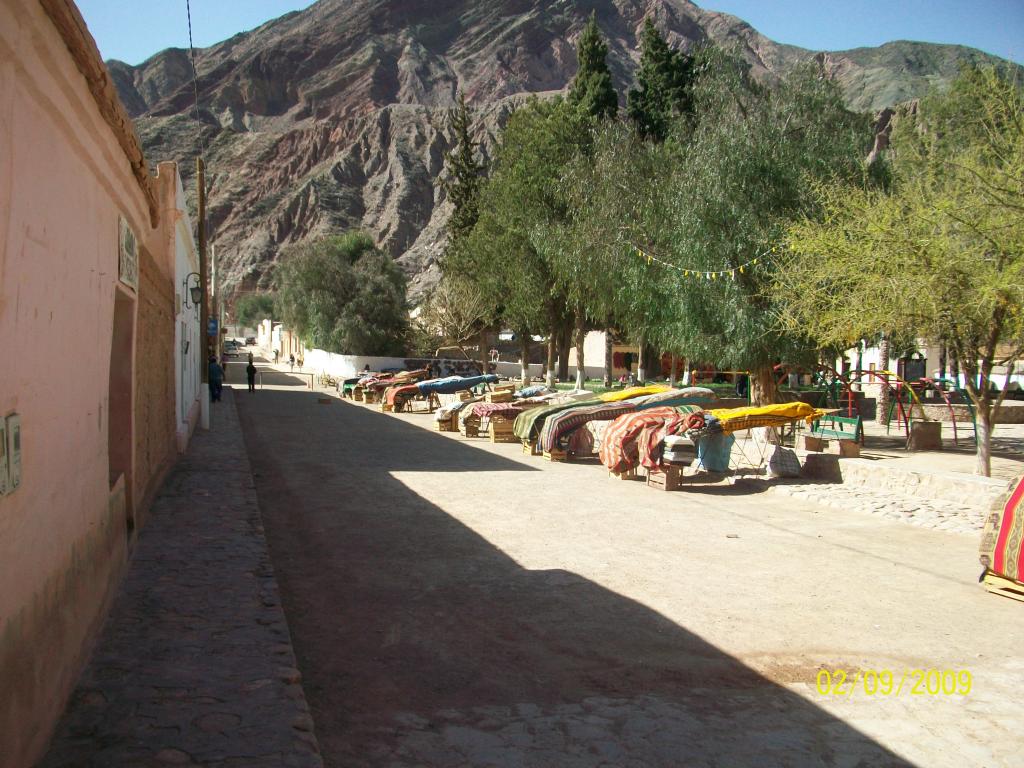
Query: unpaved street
(456,603)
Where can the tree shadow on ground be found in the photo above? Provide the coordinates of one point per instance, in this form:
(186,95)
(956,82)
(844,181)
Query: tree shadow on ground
(423,644)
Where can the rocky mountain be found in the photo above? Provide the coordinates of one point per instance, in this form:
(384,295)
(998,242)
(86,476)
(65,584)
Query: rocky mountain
(336,116)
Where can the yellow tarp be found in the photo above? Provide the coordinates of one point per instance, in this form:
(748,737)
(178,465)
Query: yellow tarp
(734,419)
(630,392)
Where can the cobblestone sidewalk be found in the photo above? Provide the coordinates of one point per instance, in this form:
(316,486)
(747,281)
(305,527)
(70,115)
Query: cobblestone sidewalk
(195,665)
(937,514)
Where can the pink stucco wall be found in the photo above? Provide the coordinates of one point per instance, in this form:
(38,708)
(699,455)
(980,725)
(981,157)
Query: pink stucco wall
(64,180)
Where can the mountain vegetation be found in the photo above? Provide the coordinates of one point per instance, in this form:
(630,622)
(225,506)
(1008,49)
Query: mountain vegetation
(336,117)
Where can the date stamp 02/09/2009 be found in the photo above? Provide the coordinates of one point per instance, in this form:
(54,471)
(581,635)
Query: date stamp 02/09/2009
(887,682)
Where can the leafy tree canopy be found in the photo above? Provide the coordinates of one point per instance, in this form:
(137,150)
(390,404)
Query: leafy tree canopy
(940,253)
(343,295)
(739,177)
(252,308)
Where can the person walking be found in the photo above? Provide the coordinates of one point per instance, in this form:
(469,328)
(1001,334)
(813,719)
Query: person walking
(250,374)
(291,362)
(216,377)
(277,355)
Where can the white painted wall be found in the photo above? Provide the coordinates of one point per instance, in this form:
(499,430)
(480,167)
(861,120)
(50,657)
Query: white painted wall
(187,341)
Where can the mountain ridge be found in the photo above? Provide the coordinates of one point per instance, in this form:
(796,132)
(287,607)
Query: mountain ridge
(335,116)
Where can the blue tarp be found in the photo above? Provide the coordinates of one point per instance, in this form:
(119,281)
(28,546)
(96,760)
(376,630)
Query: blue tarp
(453,384)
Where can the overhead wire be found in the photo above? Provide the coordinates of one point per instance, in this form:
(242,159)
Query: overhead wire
(195,79)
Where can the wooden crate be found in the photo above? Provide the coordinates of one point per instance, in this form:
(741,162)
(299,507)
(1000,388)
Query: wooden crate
(469,430)
(530,448)
(629,474)
(371,396)
(556,455)
(501,432)
(357,394)
(498,397)
(998,585)
(465,396)
(447,425)
(667,479)
(386,407)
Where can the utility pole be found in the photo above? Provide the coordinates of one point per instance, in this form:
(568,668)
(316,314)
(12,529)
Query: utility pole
(204,314)
(215,299)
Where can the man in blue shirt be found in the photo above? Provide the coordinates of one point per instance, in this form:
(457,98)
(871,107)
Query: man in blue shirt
(216,376)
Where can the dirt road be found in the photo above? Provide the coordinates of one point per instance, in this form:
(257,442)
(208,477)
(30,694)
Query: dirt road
(455,603)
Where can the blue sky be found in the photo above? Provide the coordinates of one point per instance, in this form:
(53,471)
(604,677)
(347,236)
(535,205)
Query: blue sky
(132,31)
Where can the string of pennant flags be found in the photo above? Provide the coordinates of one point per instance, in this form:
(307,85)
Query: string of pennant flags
(705,274)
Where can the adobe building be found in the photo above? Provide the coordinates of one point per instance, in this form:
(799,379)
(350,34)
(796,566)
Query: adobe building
(92,397)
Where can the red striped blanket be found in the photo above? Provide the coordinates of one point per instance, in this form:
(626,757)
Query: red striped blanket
(635,438)
(1002,542)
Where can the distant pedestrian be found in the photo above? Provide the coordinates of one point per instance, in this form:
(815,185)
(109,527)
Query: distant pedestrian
(277,355)
(216,377)
(291,362)
(250,374)
(299,361)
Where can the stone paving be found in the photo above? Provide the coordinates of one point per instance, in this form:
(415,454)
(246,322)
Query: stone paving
(195,665)
(925,513)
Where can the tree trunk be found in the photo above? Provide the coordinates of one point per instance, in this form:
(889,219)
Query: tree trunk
(673,370)
(549,372)
(524,361)
(484,358)
(764,389)
(983,425)
(564,344)
(686,372)
(942,361)
(581,334)
(608,355)
(641,362)
(882,407)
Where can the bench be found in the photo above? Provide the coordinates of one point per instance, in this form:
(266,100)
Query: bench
(848,431)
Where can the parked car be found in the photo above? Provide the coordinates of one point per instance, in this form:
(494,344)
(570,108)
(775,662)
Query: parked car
(250,341)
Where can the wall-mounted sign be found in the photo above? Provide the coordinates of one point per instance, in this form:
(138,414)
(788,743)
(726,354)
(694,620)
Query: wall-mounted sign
(128,255)
(13,452)
(211,326)
(3,458)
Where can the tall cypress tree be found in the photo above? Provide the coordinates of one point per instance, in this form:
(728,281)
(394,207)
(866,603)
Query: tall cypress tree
(465,174)
(592,88)
(665,79)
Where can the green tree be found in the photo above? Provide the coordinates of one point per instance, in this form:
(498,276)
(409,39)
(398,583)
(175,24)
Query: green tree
(614,212)
(343,295)
(739,177)
(464,174)
(252,308)
(592,90)
(508,257)
(665,80)
(940,253)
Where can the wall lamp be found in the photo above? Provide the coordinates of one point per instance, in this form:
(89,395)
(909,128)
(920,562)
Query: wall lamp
(196,291)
